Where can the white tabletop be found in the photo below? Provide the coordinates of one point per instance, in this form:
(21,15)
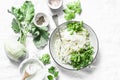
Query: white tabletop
(102,15)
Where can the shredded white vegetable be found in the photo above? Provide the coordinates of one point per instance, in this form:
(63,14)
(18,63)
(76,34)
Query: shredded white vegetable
(70,43)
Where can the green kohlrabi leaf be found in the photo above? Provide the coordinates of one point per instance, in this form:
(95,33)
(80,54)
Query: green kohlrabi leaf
(22,37)
(17,13)
(28,10)
(25,13)
(41,40)
(40,36)
(15,26)
(23,24)
(22,21)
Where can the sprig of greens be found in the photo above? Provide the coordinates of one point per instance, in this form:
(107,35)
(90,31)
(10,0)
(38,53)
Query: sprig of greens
(72,9)
(53,71)
(45,59)
(22,20)
(82,58)
(22,24)
(75,27)
(50,77)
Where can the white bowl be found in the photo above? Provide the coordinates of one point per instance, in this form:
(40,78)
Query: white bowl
(55,7)
(45,24)
(93,40)
(40,73)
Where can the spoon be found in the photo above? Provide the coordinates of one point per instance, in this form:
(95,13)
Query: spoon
(55,18)
(28,73)
(55,14)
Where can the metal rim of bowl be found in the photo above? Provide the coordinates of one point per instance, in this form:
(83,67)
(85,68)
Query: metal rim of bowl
(71,65)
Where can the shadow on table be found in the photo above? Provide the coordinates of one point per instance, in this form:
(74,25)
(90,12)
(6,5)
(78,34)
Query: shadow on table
(57,11)
(84,72)
(17,63)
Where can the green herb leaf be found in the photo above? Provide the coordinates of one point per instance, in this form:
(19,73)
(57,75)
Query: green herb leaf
(75,6)
(82,58)
(45,59)
(56,74)
(72,9)
(70,16)
(75,27)
(53,71)
(50,77)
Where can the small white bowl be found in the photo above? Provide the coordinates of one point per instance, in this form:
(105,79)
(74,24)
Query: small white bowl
(55,7)
(45,23)
(39,74)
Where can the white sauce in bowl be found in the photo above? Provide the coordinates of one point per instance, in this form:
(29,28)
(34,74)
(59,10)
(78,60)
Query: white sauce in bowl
(34,69)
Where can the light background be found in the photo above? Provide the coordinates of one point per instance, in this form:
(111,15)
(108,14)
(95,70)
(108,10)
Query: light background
(102,15)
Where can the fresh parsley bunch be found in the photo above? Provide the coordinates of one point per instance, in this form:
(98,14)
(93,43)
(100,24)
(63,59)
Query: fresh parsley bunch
(54,73)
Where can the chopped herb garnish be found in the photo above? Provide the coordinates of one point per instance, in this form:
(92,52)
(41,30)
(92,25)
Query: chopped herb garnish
(45,59)
(75,27)
(53,71)
(72,9)
(82,58)
(50,77)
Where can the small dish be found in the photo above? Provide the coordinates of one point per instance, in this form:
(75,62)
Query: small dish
(41,20)
(31,69)
(55,4)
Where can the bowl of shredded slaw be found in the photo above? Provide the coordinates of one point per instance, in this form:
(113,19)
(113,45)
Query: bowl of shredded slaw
(77,47)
